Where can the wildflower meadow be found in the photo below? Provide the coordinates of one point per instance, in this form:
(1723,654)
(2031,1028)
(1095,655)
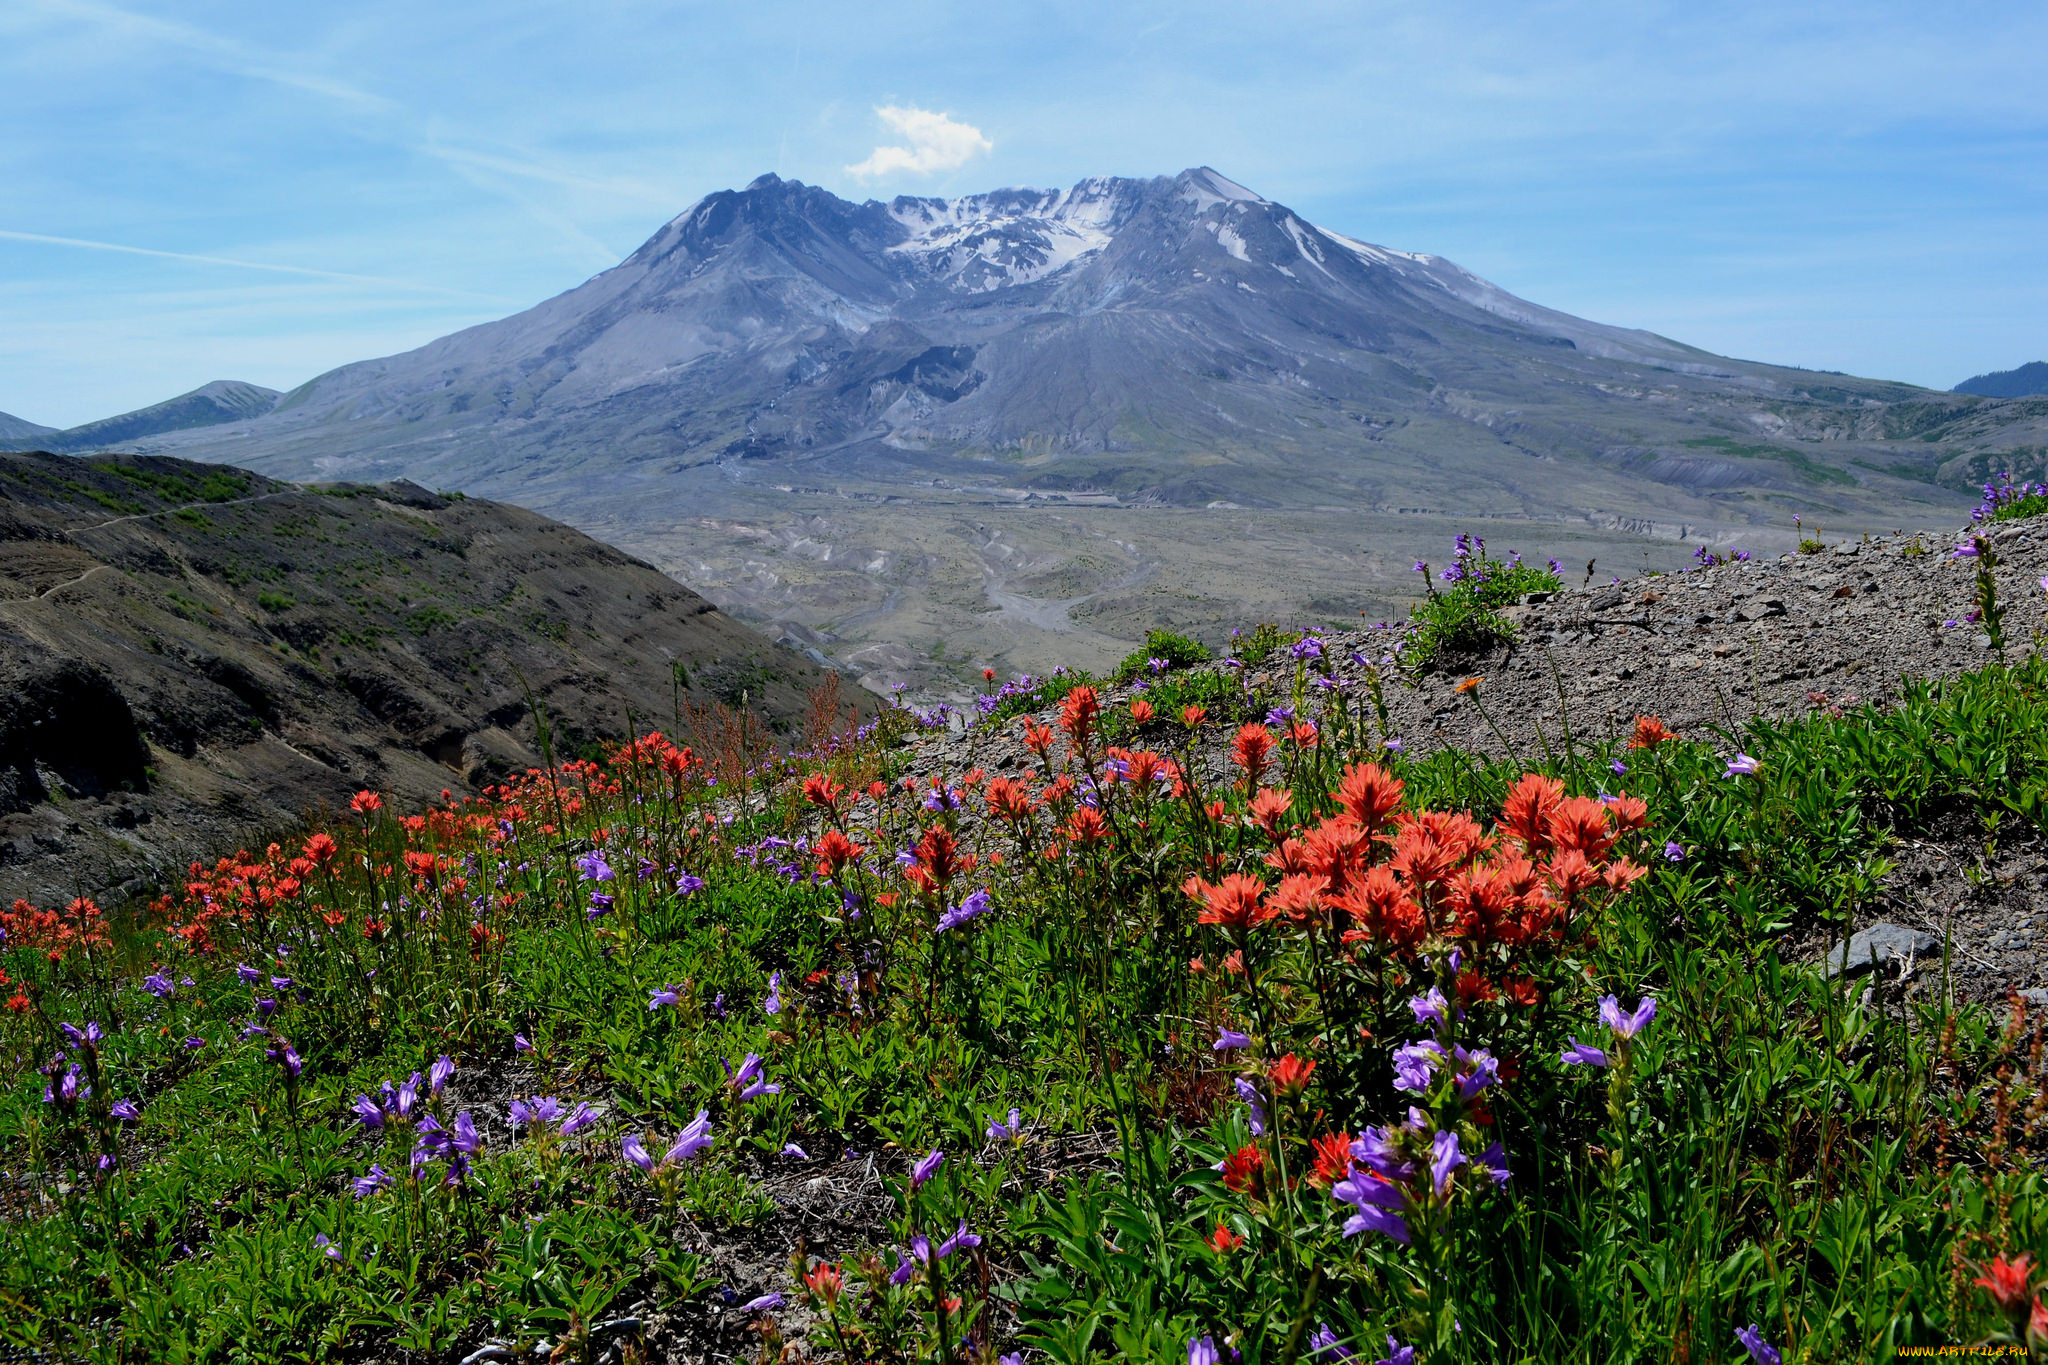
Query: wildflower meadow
(1224,1027)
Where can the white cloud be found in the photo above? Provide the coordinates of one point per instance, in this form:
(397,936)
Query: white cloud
(937,143)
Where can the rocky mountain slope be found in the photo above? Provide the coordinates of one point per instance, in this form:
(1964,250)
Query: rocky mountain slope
(1021,426)
(190,654)
(209,405)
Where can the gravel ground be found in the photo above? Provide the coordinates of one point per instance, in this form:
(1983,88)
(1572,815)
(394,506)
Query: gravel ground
(1711,648)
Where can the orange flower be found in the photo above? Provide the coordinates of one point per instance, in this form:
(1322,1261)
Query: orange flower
(938,858)
(834,851)
(1141,711)
(1234,904)
(1144,768)
(1469,685)
(1241,1169)
(1250,750)
(1078,712)
(1630,812)
(1526,813)
(988,675)
(1650,732)
(2007,1280)
(1008,800)
(1305,734)
(1086,826)
(1299,897)
(1192,716)
(1267,808)
(1370,793)
(1332,1159)
(1582,823)
(321,848)
(823,1280)
(1224,1241)
(1290,1074)
(362,803)
(1037,738)
(821,790)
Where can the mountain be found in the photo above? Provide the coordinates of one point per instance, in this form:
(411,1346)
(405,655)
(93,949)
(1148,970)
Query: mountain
(191,655)
(209,405)
(15,428)
(1022,427)
(2030,378)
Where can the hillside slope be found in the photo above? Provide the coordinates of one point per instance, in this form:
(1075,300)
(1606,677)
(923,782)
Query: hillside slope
(189,654)
(209,405)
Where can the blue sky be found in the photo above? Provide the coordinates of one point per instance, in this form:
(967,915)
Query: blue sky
(1861,187)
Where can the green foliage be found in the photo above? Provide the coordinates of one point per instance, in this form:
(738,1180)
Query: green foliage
(275,601)
(1465,618)
(1775,1147)
(1173,651)
(1028,694)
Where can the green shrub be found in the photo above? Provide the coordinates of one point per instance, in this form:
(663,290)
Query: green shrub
(1173,651)
(1465,618)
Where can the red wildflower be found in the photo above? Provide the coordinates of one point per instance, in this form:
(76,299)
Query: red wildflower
(1650,732)
(1250,750)
(1267,808)
(1526,813)
(2007,1280)
(364,802)
(1009,800)
(321,849)
(1078,712)
(821,790)
(823,1279)
(1223,1241)
(1332,1159)
(1582,823)
(1037,738)
(1086,826)
(1241,1169)
(1192,716)
(834,851)
(1370,793)
(1234,904)
(1141,711)
(1290,1074)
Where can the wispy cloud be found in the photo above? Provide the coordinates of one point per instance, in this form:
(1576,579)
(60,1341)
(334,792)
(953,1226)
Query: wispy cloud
(226,53)
(86,244)
(938,142)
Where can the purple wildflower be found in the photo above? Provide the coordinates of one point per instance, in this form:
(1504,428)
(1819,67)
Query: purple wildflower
(667,995)
(926,1168)
(791,1149)
(997,1132)
(194,1042)
(763,1304)
(1229,1039)
(593,868)
(368,1112)
(1582,1054)
(634,1151)
(438,1074)
(582,1118)
(1760,1351)
(1627,1025)
(1249,1093)
(1202,1351)
(773,1004)
(1431,1008)
(158,984)
(694,1138)
(367,1185)
(125,1109)
(1444,1158)
(1742,765)
(1414,1064)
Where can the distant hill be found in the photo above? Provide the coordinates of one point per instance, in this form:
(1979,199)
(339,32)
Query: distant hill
(15,428)
(190,654)
(209,405)
(2029,379)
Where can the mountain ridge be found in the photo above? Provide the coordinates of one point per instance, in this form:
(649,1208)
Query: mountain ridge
(844,421)
(2025,381)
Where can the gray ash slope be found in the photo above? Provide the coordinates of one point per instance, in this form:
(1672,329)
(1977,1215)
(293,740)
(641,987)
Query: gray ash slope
(1707,650)
(191,656)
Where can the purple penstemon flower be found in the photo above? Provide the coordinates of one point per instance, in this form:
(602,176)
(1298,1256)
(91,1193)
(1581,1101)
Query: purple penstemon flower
(368,1112)
(1477,1070)
(1761,1352)
(125,1109)
(961,1240)
(577,1121)
(592,867)
(1325,1348)
(1397,1354)
(773,1004)
(1583,1054)
(666,995)
(327,1247)
(926,1167)
(1674,852)
(520,1044)
(920,1253)
(1415,1063)
(539,1109)
(194,1042)
(1431,1008)
(1202,1351)
(791,1149)
(463,1137)
(1229,1039)
(158,984)
(998,1132)
(1381,1205)
(695,1137)
(1249,1093)
(1627,1026)
(248,973)
(367,1185)
(636,1152)
(688,883)
(1742,765)
(438,1074)
(763,1304)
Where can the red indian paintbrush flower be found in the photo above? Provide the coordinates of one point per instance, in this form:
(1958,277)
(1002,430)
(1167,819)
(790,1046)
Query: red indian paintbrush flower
(2007,1280)
(1290,1074)
(1650,732)
(1267,808)
(834,851)
(1078,712)
(1141,711)
(1234,904)
(1250,750)
(1332,1159)
(1242,1168)
(1370,794)
(1224,1241)
(821,790)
